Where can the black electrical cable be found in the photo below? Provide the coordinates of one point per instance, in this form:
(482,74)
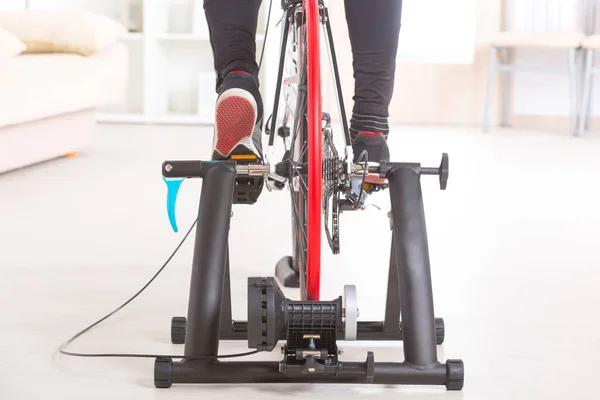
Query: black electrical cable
(63,347)
(126,355)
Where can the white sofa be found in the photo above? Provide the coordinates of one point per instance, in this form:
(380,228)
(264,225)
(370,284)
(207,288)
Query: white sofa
(48,102)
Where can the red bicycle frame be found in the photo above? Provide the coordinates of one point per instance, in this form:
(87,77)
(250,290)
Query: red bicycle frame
(315,151)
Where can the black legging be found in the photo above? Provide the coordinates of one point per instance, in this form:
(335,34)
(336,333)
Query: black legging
(373,27)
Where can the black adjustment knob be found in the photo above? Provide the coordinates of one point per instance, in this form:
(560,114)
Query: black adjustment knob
(444,171)
(311,366)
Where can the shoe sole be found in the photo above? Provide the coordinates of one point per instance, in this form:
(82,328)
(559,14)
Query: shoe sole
(235,119)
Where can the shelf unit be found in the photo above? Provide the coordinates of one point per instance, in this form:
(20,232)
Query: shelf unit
(171,77)
(175,80)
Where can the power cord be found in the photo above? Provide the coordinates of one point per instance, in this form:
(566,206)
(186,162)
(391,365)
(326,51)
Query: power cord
(116,310)
(64,346)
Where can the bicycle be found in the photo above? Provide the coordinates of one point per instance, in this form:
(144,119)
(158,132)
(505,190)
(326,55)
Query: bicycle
(322,184)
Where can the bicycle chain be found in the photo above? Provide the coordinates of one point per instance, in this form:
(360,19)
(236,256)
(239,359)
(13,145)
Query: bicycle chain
(335,217)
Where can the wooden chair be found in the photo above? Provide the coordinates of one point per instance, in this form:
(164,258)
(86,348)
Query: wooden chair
(528,35)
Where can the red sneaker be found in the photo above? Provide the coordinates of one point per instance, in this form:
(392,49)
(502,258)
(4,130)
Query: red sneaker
(238,119)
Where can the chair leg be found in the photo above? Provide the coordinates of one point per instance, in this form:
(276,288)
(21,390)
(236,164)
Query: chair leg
(505,90)
(573,89)
(588,120)
(587,90)
(490,87)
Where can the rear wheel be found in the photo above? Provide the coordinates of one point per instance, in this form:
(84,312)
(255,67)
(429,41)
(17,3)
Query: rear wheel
(306,149)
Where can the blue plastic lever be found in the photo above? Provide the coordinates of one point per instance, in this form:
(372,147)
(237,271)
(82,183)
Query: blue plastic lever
(173,186)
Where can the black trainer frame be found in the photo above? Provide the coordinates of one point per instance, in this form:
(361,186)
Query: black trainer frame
(409,293)
(409,296)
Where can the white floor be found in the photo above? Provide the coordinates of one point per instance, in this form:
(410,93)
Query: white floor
(514,252)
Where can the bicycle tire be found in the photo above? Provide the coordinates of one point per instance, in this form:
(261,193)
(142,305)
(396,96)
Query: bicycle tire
(306,148)
(315,149)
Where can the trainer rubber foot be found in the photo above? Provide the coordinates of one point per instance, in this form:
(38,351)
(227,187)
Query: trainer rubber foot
(440,331)
(284,271)
(178,326)
(163,368)
(455,374)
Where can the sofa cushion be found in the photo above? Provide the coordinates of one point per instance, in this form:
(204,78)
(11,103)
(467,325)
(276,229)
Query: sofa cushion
(10,45)
(76,32)
(35,86)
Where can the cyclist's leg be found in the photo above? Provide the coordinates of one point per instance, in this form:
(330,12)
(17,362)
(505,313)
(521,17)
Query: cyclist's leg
(238,117)
(374,27)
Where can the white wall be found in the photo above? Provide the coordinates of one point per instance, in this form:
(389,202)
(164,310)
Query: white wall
(105,7)
(436,37)
(12,5)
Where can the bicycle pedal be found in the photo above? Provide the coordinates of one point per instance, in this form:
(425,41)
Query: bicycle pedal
(247,190)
